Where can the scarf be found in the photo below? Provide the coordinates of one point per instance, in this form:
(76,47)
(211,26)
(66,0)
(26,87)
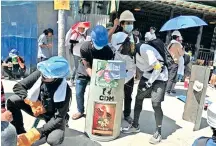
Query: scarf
(59,94)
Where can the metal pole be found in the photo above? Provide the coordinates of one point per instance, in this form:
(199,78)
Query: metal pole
(169,32)
(61,33)
(199,37)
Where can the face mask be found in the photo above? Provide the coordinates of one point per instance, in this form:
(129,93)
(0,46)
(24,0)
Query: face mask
(128,28)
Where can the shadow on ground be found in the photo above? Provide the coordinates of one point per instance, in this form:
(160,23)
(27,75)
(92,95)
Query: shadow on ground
(72,137)
(148,125)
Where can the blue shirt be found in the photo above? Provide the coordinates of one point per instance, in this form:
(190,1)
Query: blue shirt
(209,142)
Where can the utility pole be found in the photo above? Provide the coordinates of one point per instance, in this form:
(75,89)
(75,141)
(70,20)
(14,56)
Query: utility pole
(61,33)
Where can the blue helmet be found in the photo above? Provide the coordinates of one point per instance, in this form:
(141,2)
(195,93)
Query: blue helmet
(99,36)
(13,52)
(55,67)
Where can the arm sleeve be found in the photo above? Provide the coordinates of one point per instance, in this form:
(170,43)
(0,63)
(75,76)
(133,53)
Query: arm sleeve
(58,118)
(42,40)
(8,59)
(22,87)
(152,61)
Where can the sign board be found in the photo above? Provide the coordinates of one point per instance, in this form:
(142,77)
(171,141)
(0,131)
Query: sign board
(61,4)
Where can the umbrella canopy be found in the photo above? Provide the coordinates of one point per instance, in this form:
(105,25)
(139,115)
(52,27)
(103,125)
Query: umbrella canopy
(182,22)
(85,25)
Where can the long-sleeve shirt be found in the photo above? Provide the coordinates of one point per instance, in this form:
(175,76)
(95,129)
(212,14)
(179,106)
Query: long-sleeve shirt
(55,111)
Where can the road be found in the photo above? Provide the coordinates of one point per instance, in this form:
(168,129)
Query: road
(175,131)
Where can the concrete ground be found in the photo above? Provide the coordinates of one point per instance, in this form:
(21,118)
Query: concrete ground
(175,131)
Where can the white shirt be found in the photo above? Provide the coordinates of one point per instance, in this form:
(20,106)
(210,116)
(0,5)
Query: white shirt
(149,57)
(130,65)
(77,37)
(181,66)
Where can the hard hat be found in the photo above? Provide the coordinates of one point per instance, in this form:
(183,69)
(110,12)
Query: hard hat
(99,36)
(177,33)
(211,115)
(118,39)
(13,52)
(127,16)
(54,67)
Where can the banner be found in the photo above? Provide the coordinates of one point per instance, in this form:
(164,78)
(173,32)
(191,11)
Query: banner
(61,4)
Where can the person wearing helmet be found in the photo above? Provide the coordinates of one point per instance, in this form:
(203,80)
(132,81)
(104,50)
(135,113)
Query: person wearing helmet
(211,119)
(121,43)
(44,45)
(14,65)
(97,48)
(44,94)
(126,24)
(152,62)
(176,50)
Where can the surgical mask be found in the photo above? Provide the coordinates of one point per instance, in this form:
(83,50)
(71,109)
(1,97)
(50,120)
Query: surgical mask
(128,28)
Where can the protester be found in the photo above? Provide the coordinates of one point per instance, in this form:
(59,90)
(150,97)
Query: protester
(95,49)
(8,131)
(213,78)
(76,40)
(211,119)
(14,65)
(176,50)
(121,42)
(151,34)
(153,84)
(44,49)
(44,94)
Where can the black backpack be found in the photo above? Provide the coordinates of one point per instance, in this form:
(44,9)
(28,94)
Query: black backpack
(161,48)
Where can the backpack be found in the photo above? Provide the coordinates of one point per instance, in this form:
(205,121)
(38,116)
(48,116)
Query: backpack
(161,48)
(202,141)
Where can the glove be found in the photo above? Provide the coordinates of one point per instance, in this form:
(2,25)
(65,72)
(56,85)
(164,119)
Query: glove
(37,107)
(27,139)
(147,85)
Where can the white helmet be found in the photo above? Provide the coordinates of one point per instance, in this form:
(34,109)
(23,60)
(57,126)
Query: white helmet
(211,115)
(177,33)
(127,16)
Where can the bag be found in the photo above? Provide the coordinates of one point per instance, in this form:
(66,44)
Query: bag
(161,48)
(186,59)
(202,141)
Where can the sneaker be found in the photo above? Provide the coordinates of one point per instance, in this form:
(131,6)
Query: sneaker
(173,92)
(77,116)
(169,94)
(128,119)
(156,138)
(130,129)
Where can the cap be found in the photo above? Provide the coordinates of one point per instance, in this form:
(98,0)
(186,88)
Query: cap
(177,33)
(118,39)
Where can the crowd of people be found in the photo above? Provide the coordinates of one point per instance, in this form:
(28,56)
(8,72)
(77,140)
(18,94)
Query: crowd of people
(45,94)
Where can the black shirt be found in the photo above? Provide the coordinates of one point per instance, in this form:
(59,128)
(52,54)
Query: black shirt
(55,111)
(88,53)
(16,66)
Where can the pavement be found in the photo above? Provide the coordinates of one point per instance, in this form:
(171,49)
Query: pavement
(175,131)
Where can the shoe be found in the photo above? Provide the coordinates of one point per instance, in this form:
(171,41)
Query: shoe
(130,129)
(173,92)
(169,94)
(156,138)
(77,116)
(128,119)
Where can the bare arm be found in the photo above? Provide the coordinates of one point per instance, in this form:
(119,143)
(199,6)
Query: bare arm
(88,67)
(113,29)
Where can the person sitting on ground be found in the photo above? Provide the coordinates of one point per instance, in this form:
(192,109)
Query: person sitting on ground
(8,131)
(14,65)
(44,94)
(211,119)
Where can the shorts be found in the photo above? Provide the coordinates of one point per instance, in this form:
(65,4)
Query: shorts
(156,92)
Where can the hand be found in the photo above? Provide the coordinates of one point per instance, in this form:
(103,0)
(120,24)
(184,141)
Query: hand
(37,107)
(10,64)
(147,85)
(7,116)
(27,139)
(116,22)
(49,46)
